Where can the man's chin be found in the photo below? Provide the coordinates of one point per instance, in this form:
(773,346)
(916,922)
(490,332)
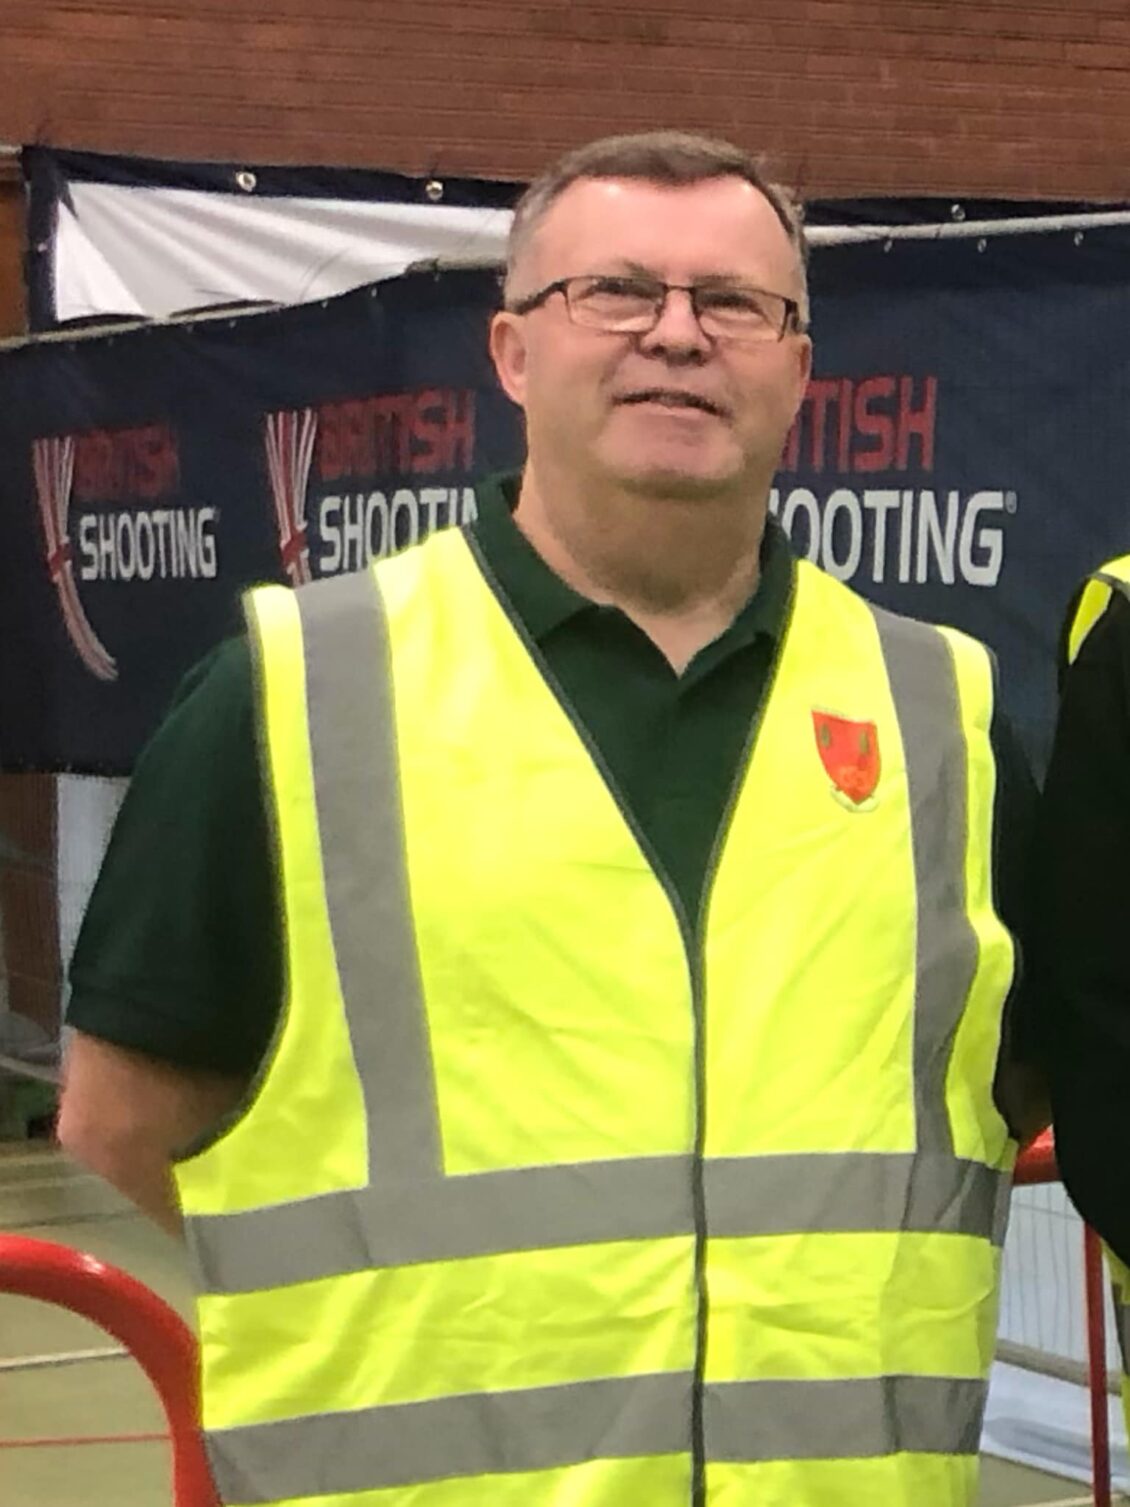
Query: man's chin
(677,483)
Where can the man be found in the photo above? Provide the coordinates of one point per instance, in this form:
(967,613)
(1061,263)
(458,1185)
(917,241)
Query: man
(626,1132)
(1084,831)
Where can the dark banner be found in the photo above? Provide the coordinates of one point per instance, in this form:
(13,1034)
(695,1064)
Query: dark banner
(152,474)
(961,456)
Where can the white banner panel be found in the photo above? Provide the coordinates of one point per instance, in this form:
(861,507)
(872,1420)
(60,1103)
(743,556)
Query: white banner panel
(163,251)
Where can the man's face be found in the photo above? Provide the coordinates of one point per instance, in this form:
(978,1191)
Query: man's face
(671,412)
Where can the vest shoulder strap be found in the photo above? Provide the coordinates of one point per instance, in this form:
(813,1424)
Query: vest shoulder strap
(1089,604)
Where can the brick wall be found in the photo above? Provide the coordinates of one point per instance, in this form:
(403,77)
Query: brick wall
(990,97)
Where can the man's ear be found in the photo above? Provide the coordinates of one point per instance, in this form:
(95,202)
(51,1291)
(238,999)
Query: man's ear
(800,353)
(804,367)
(508,352)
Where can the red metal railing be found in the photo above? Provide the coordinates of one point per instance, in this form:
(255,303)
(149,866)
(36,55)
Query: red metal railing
(165,1348)
(1037,1164)
(156,1336)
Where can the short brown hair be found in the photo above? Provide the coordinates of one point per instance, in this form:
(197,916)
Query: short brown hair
(674,158)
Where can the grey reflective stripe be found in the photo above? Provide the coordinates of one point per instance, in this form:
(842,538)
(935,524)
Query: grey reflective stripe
(924,687)
(357,786)
(1004,1208)
(1117,582)
(547,1427)
(923,682)
(637,1198)
(844,1420)
(487,1213)
(851,1191)
(474,1434)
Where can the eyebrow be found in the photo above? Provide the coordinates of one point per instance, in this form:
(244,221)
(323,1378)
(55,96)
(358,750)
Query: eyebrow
(708,279)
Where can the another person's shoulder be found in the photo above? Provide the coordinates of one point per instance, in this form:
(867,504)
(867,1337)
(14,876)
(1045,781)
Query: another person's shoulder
(1092,730)
(1096,627)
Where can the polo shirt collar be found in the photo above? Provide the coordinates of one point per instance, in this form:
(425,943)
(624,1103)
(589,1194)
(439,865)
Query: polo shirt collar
(543,602)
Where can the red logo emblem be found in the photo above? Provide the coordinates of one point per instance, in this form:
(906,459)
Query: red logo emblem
(289,440)
(54,465)
(849,752)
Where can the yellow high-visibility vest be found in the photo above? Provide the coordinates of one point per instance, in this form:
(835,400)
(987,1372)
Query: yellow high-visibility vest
(1093,601)
(1095,598)
(1120,1292)
(552,1195)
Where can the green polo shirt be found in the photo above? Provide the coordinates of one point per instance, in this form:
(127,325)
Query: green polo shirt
(179,954)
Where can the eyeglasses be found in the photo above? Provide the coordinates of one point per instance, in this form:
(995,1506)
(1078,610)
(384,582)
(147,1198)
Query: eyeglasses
(633,305)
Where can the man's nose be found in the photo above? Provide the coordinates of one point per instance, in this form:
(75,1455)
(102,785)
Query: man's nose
(677,330)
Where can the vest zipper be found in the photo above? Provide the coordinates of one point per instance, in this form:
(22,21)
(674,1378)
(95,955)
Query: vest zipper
(694,953)
(694,947)
(693,939)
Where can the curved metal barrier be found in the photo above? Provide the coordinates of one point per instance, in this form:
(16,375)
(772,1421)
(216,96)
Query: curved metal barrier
(153,1333)
(165,1348)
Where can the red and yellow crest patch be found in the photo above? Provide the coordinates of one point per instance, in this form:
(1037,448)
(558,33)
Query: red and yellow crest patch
(849,752)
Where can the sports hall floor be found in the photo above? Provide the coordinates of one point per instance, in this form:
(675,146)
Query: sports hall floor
(43,1195)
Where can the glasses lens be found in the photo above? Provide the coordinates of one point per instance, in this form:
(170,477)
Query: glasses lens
(748,314)
(614,303)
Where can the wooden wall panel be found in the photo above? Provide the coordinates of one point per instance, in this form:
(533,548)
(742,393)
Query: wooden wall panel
(13,312)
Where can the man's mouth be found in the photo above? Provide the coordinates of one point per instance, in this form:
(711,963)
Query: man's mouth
(672,397)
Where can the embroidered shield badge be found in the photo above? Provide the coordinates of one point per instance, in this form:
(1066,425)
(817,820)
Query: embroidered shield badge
(849,752)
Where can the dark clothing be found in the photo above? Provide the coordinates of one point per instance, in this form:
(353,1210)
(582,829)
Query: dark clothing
(1080,946)
(179,955)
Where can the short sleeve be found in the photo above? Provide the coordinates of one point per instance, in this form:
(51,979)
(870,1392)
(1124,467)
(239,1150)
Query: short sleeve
(179,952)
